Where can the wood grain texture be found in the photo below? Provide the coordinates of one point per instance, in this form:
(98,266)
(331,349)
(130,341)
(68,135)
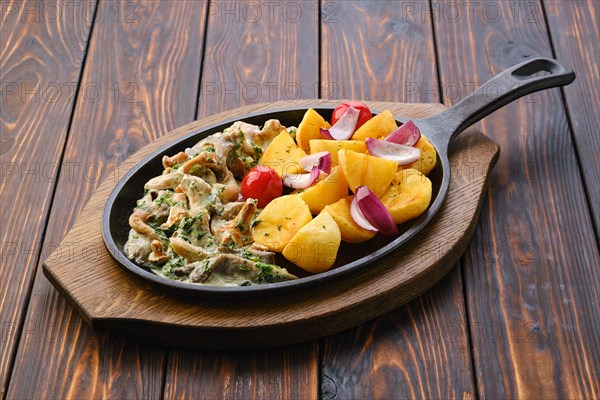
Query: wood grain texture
(255,57)
(531,273)
(141,76)
(108,297)
(575,29)
(255,52)
(377,61)
(285,373)
(40,64)
(393,356)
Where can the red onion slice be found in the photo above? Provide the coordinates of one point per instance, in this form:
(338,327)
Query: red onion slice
(325,133)
(301,181)
(344,127)
(393,151)
(373,211)
(358,216)
(407,134)
(322,160)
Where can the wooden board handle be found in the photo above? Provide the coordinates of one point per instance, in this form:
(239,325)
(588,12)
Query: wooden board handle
(108,297)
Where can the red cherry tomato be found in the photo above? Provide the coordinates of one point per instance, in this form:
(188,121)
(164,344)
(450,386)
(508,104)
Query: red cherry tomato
(263,184)
(363,116)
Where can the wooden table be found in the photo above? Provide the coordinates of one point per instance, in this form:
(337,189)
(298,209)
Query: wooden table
(85,84)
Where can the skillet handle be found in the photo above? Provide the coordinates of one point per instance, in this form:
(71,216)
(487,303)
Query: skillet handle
(502,89)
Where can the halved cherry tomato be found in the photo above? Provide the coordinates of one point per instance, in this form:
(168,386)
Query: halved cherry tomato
(363,116)
(263,184)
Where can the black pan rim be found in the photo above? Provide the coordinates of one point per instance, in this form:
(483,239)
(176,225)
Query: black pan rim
(198,290)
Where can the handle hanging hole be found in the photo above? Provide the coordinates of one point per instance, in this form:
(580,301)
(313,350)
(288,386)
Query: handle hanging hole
(535,69)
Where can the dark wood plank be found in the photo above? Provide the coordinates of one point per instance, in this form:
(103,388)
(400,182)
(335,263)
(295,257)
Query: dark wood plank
(422,349)
(531,273)
(417,351)
(259,52)
(255,52)
(40,65)
(151,51)
(575,29)
(285,373)
(378,50)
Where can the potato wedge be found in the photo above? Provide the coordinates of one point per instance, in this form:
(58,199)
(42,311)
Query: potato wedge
(310,128)
(279,221)
(353,165)
(361,169)
(333,146)
(378,174)
(283,155)
(428,158)
(314,248)
(408,196)
(377,127)
(326,191)
(351,232)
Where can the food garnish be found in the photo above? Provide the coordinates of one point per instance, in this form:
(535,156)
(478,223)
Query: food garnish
(301,181)
(359,217)
(364,116)
(407,134)
(263,184)
(344,127)
(366,207)
(393,151)
(322,160)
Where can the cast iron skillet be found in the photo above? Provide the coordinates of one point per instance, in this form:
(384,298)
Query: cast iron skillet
(518,81)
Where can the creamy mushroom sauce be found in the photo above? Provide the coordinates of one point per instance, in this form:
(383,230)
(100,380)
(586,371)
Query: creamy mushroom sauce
(192,224)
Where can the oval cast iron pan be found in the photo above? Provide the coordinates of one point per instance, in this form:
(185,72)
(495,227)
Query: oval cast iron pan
(440,128)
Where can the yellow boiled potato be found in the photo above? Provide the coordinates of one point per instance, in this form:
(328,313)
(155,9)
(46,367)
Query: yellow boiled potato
(361,169)
(408,196)
(310,128)
(377,127)
(314,248)
(351,232)
(353,165)
(378,174)
(283,155)
(279,221)
(327,191)
(427,159)
(333,146)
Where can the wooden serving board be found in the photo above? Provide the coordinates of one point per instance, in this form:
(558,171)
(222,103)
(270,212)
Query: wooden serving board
(110,298)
